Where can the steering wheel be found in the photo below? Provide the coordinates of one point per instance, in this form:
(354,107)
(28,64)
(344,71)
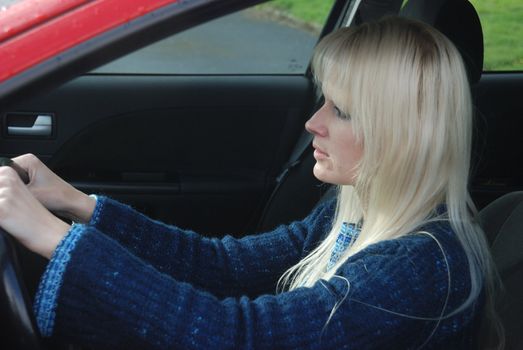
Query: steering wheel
(18,326)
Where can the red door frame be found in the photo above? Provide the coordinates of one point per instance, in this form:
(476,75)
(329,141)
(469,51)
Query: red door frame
(36,30)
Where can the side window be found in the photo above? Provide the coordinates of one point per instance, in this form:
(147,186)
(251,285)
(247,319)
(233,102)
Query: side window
(502,22)
(272,38)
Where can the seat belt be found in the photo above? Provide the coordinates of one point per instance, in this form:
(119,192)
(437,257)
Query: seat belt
(295,159)
(296,156)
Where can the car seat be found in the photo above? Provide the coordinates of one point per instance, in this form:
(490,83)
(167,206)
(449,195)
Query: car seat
(459,21)
(502,221)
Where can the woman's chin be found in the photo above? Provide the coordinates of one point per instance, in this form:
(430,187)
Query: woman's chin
(321,173)
(326,175)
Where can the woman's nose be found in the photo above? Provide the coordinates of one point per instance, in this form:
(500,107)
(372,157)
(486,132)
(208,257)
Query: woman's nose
(315,125)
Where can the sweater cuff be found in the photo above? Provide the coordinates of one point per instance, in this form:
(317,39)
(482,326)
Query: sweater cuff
(49,287)
(100,202)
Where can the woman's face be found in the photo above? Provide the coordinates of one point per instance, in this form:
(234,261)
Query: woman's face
(336,150)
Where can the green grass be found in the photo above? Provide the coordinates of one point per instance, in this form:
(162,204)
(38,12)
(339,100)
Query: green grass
(502,22)
(312,12)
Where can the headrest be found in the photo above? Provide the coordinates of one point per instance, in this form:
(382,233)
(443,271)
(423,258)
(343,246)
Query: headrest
(459,21)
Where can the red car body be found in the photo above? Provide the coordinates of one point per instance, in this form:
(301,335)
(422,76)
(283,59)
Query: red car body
(33,31)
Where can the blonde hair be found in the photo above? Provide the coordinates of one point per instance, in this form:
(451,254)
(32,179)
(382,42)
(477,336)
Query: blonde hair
(405,87)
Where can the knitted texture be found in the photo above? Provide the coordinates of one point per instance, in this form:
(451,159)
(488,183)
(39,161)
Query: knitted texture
(45,299)
(122,288)
(225,267)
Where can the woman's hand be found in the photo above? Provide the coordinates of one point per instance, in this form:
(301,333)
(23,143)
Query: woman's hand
(54,193)
(25,218)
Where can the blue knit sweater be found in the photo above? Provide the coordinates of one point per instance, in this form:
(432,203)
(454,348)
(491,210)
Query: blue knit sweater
(126,281)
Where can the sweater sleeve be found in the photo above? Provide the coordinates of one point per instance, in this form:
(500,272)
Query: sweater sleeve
(227,266)
(106,297)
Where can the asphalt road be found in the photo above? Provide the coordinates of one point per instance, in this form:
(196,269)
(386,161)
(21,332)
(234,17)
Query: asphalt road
(239,43)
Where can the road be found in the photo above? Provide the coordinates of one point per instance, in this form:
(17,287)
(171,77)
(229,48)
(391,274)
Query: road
(239,43)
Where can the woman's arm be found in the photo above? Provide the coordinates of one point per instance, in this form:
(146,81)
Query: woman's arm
(226,266)
(96,293)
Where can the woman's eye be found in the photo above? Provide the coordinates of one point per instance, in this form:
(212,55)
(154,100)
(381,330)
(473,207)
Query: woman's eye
(340,114)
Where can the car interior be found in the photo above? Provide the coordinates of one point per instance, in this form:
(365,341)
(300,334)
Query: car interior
(227,154)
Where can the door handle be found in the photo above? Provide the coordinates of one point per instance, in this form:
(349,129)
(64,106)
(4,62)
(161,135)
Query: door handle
(43,126)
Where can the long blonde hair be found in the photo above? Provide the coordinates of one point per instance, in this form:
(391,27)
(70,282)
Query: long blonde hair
(405,87)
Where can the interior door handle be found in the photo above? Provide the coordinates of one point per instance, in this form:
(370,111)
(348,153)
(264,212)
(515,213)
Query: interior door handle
(43,126)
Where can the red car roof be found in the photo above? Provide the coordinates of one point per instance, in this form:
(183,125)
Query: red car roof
(32,31)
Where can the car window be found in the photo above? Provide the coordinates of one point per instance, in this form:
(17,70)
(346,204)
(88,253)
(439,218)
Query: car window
(272,38)
(502,22)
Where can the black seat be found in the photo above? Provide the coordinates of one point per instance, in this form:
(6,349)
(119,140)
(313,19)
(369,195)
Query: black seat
(459,21)
(502,221)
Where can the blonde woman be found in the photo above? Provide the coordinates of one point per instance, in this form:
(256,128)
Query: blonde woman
(397,261)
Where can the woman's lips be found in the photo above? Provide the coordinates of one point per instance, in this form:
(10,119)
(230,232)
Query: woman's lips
(319,153)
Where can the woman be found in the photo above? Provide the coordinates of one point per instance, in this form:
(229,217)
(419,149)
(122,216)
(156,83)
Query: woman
(397,261)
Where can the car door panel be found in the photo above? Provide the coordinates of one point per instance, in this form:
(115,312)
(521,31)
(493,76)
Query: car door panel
(198,151)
